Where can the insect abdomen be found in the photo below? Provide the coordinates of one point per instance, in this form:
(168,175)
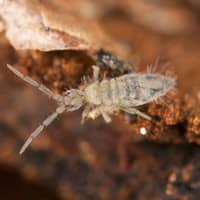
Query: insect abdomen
(114,92)
(105,93)
(126,91)
(134,89)
(137,89)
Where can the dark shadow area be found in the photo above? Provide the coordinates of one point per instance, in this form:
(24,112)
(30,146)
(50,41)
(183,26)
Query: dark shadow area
(14,186)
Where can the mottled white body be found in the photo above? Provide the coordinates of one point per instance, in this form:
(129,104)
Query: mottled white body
(104,97)
(128,91)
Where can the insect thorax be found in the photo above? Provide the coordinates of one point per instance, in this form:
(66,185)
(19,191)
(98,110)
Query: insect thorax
(74,99)
(92,93)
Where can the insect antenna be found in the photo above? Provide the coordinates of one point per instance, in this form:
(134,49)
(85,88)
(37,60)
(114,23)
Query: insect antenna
(40,128)
(39,86)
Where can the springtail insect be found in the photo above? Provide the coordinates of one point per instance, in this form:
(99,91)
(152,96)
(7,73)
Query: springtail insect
(123,93)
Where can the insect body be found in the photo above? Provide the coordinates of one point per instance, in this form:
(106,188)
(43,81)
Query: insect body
(104,97)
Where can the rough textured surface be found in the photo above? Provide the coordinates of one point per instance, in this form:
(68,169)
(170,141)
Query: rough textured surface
(35,25)
(99,161)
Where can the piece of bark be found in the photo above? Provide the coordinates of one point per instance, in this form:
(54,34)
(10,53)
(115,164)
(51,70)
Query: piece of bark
(48,26)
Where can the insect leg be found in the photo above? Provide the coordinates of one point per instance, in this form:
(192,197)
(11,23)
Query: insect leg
(137,112)
(95,73)
(106,117)
(40,128)
(99,111)
(85,113)
(40,87)
(93,114)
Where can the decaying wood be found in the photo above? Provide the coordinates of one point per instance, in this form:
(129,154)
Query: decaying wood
(36,25)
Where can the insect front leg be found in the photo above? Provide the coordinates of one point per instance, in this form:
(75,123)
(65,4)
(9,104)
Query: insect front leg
(137,112)
(40,128)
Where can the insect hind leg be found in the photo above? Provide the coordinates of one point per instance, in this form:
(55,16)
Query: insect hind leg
(40,128)
(40,87)
(137,112)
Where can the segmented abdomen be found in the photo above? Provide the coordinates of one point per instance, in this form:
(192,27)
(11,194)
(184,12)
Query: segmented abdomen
(134,89)
(118,91)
